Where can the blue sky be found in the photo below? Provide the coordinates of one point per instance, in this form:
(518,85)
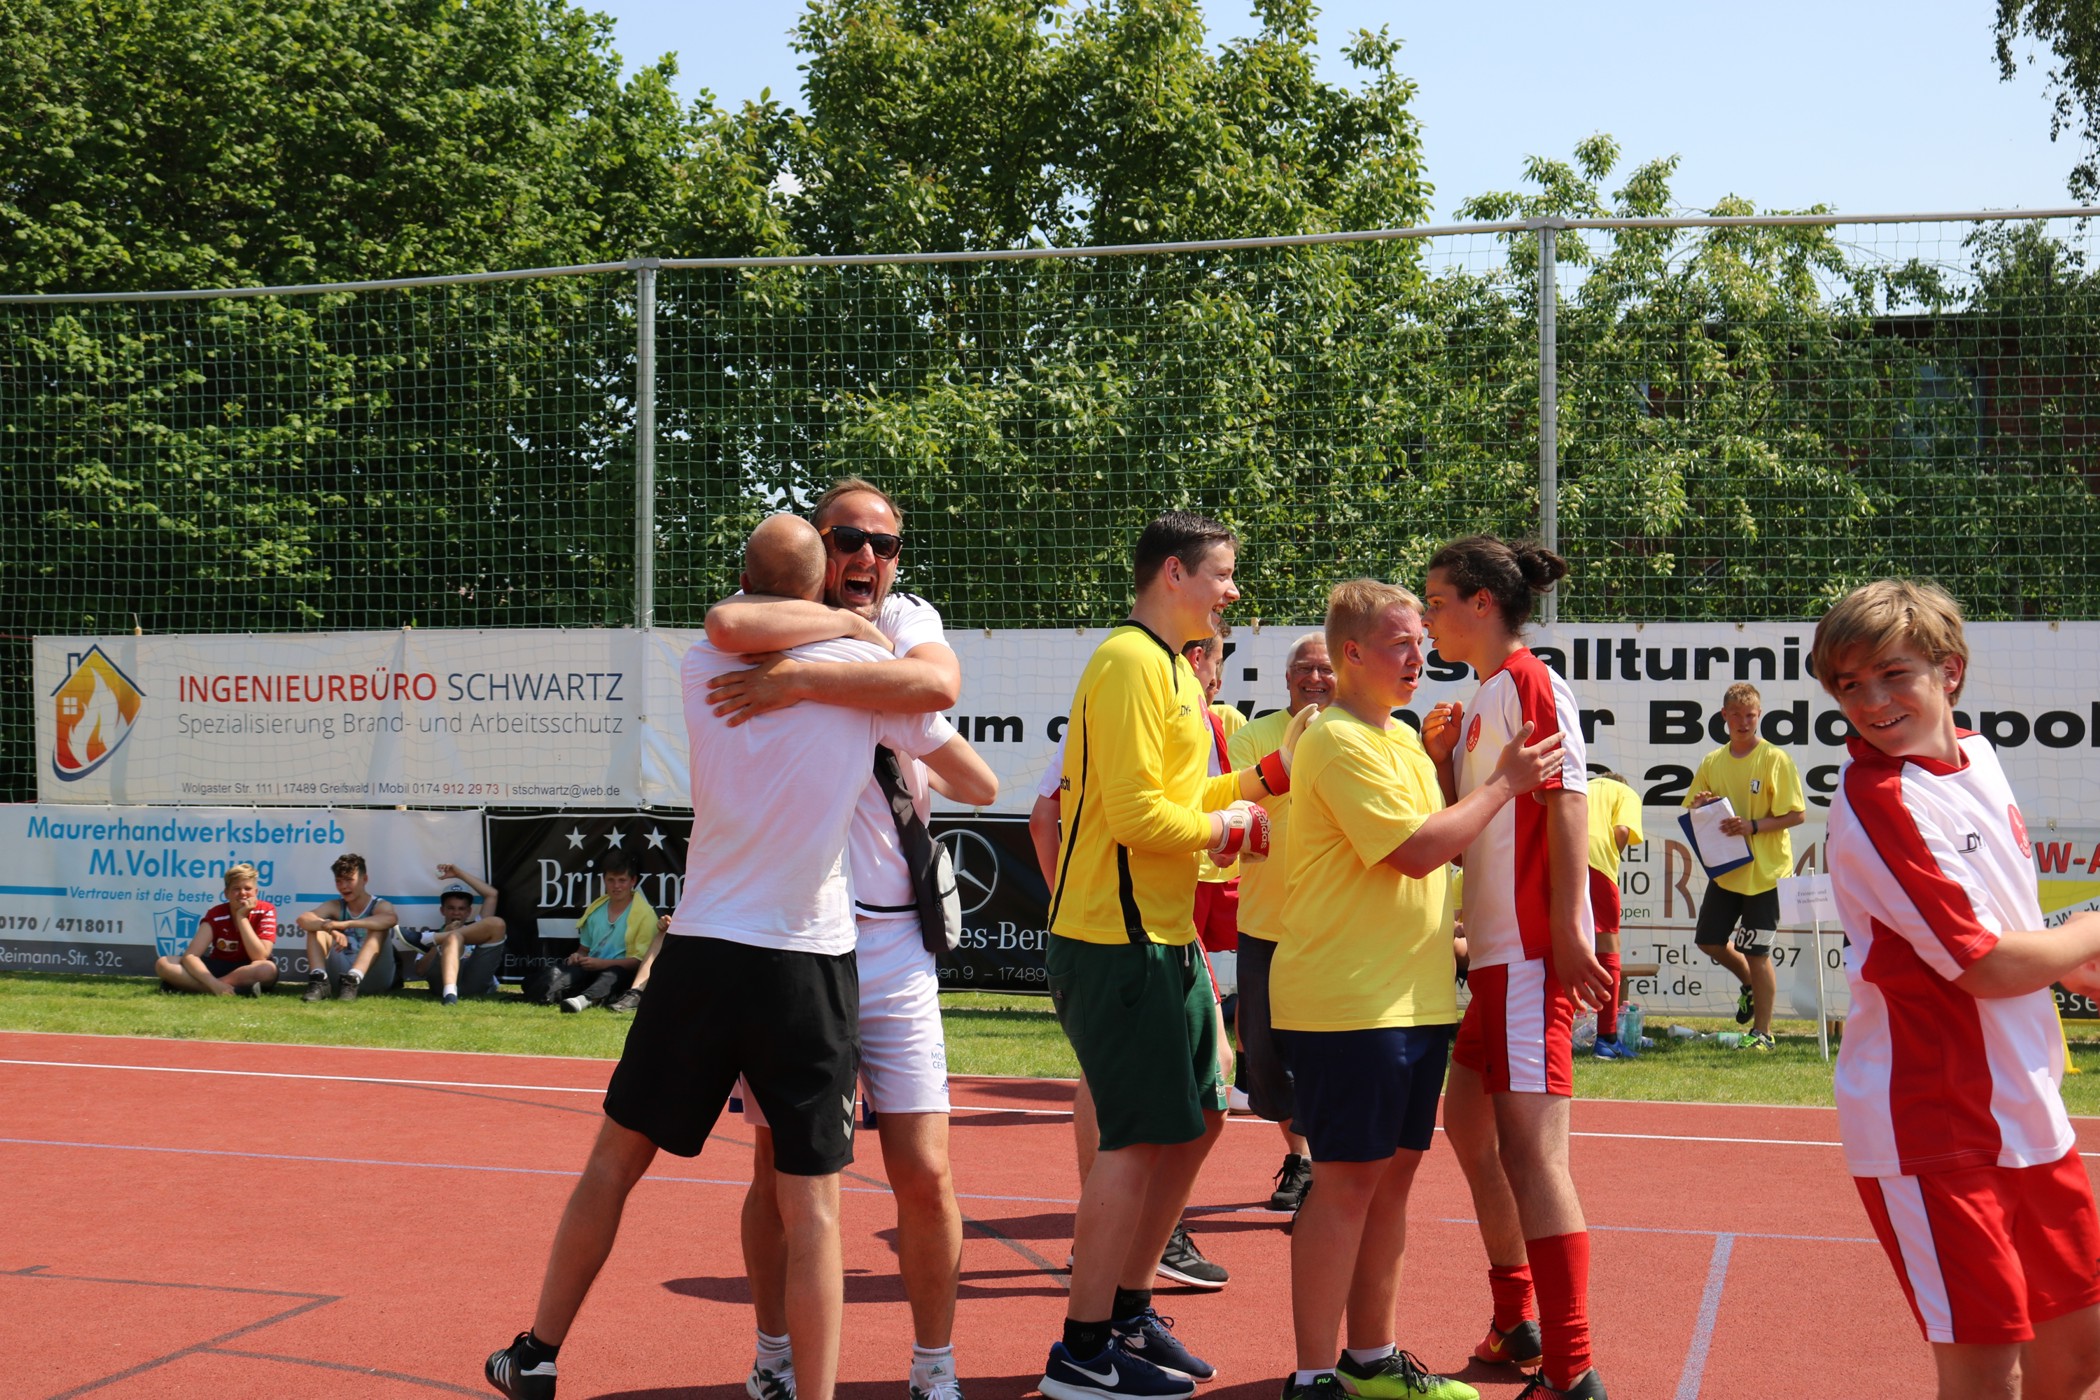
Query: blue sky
(1868,105)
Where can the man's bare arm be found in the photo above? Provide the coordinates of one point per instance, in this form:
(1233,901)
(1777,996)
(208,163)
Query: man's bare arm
(925,680)
(751,623)
(960,774)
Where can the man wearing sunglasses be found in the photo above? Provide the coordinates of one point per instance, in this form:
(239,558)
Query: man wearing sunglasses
(903,1050)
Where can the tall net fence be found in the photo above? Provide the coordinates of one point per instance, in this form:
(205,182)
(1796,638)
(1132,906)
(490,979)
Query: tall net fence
(1751,418)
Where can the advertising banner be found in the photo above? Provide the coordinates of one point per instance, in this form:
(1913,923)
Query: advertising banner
(547,868)
(416,718)
(110,889)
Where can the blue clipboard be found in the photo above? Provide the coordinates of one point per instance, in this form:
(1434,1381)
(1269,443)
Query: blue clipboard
(1691,839)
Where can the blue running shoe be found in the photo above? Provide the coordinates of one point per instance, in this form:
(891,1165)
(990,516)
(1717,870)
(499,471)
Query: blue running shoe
(1113,1375)
(1614,1050)
(1152,1337)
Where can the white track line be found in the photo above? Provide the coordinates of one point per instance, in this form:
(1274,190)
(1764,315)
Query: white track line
(958,1108)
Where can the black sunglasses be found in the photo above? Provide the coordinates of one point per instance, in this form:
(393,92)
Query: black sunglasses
(847,539)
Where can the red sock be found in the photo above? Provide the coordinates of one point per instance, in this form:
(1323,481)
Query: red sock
(1562,1263)
(1608,1014)
(1511,1286)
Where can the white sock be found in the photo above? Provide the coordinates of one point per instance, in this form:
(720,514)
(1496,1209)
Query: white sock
(1365,1356)
(353,975)
(452,989)
(930,1363)
(774,1353)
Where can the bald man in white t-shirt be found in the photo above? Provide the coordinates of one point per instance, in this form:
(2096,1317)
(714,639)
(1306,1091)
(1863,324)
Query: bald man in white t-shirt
(756,979)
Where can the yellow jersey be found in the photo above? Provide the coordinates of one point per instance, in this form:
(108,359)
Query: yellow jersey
(1363,945)
(1762,783)
(1612,805)
(1134,796)
(1261,881)
(1230,720)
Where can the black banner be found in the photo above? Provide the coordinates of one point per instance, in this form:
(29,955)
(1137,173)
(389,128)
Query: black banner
(547,868)
(1006,907)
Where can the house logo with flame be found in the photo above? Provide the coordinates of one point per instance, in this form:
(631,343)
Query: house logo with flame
(94,706)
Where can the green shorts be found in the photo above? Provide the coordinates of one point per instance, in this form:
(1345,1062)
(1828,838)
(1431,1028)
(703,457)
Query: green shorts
(1144,1021)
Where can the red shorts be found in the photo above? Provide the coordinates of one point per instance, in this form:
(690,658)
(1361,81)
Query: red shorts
(1604,901)
(1986,1253)
(1218,914)
(1519,1033)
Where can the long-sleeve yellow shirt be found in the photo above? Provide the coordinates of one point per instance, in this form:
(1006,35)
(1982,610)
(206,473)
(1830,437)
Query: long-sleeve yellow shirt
(1134,797)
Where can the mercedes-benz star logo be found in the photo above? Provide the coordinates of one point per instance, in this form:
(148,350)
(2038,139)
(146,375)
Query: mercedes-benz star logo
(976,866)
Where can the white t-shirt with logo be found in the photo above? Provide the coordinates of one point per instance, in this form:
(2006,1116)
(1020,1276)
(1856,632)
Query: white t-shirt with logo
(1930,863)
(882,887)
(767,863)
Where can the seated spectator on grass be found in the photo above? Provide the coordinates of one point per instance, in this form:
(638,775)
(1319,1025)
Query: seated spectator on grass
(440,955)
(231,952)
(341,952)
(615,933)
(631,999)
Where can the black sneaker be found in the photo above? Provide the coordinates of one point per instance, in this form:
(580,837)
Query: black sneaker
(1299,1209)
(1151,1337)
(1291,1180)
(248,989)
(348,991)
(316,990)
(1743,1007)
(625,1001)
(1184,1263)
(1588,1386)
(507,1372)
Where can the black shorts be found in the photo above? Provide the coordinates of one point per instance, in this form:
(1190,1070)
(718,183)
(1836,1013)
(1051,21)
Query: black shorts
(1364,1095)
(1263,1074)
(1723,910)
(219,967)
(788,1022)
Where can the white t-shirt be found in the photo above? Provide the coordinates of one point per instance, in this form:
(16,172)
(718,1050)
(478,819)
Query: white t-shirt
(1507,890)
(1930,863)
(767,861)
(881,878)
(1054,776)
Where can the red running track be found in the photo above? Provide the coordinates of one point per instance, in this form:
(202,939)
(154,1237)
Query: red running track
(229,1220)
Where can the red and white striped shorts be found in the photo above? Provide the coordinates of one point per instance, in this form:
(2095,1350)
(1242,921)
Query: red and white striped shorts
(1519,1033)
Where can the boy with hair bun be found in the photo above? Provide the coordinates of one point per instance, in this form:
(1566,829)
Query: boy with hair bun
(1531,962)
(1740,915)
(1947,1085)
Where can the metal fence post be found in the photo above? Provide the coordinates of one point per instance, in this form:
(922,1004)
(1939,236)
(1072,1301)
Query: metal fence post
(645,444)
(1549,411)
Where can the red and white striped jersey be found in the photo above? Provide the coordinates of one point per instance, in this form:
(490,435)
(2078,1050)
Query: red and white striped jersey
(1930,863)
(1507,886)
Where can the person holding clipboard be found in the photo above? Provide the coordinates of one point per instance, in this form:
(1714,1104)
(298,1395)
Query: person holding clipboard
(1746,853)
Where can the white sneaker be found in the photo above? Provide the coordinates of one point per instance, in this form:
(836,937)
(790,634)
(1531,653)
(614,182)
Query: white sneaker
(575,1003)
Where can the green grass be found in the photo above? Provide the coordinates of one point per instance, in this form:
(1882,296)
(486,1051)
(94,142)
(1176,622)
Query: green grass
(988,1033)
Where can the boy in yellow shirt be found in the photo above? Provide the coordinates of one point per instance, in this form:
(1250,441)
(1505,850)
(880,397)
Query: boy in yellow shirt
(1740,914)
(1615,824)
(1362,989)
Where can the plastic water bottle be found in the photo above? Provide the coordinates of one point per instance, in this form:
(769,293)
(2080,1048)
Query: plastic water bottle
(1630,1020)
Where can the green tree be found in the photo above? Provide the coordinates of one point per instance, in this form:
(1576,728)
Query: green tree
(2070,30)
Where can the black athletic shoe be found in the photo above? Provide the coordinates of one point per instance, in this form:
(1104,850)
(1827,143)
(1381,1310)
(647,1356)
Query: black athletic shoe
(316,990)
(1321,1387)
(508,1372)
(348,991)
(1151,1336)
(1184,1263)
(1291,1180)
(1589,1386)
(1743,1008)
(1299,1209)
(248,989)
(625,1001)
(1520,1346)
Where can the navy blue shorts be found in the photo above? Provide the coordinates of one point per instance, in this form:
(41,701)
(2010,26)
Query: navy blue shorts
(1364,1095)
